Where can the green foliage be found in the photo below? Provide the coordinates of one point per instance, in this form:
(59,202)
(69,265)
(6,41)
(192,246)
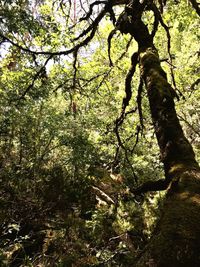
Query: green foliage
(58,141)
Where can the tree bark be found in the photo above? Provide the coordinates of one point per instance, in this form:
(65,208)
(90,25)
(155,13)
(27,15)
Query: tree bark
(176,241)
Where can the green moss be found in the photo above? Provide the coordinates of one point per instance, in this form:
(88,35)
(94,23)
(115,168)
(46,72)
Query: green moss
(176,168)
(177,239)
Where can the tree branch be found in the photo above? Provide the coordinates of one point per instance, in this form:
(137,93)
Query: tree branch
(195,6)
(128,91)
(194,84)
(58,53)
(158,185)
(139,103)
(110,36)
(87,16)
(93,25)
(105,197)
(36,76)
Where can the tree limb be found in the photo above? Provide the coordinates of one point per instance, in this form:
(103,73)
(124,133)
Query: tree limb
(194,84)
(103,195)
(36,76)
(158,185)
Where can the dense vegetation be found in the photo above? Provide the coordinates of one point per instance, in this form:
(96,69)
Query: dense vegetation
(77,139)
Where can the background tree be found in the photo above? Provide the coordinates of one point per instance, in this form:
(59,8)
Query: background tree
(73,171)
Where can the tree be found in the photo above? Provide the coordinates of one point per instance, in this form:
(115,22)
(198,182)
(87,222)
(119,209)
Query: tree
(176,238)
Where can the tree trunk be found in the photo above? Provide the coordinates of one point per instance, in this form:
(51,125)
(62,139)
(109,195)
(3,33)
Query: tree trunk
(176,241)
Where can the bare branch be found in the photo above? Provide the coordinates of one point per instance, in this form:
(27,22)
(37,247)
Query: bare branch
(128,91)
(158,18)
(88,15)
(110,36)
(127,47)
(67,15)
(93,25)
(125,103)
(157,14)
(155,24)
(103,195)
(112,33)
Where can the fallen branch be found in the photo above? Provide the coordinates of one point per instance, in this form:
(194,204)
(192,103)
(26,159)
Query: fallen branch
(103,195)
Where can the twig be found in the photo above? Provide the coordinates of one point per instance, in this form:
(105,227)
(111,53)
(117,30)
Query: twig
(36,76)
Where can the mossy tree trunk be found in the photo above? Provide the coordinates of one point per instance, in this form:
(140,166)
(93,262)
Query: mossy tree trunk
(176,241)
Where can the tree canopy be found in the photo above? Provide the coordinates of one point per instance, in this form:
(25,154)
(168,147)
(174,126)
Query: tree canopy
(99,133)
